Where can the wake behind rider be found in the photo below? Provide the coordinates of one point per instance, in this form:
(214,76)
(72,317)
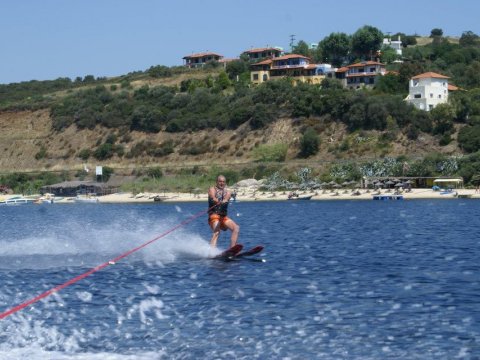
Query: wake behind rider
(218,198)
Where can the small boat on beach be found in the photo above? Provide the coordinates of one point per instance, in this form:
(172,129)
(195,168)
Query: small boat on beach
(295,196)
(89,198)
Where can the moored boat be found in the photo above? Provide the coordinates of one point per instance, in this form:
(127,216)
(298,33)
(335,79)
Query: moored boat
(89,198)
(297,197)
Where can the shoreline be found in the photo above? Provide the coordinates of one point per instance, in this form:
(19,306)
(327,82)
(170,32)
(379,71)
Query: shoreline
(249,195)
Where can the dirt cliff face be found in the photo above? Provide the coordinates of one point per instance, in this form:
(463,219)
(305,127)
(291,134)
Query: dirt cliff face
(28,143)
(20,134)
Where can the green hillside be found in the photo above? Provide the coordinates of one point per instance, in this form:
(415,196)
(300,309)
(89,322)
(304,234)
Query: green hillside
(177,100)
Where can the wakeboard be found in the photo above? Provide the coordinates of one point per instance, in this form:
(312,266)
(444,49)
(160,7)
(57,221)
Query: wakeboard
(252,251)
(229,253)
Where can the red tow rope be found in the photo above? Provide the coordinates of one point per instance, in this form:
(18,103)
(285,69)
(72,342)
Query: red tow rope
(97,268)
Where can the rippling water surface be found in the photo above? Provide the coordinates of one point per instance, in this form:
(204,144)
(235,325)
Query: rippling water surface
(339,280)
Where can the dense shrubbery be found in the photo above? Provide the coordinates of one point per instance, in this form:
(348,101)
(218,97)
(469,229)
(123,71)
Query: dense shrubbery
(309,143)
(23,183)
(267,153)
(157,108)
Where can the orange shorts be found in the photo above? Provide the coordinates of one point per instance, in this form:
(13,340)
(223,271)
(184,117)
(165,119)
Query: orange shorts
(222,219)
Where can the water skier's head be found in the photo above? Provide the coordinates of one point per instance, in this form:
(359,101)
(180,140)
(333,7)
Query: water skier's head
(221,181)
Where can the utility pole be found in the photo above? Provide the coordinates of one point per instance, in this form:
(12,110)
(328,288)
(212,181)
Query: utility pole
(292,42)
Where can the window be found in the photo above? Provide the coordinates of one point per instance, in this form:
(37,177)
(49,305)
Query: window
(417,96)
(439,96)
(431,96)
(372,69)
(430,107)
(255,77)
(415,83)
(265,77)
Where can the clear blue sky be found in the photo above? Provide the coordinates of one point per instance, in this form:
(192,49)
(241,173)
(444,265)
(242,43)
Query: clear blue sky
(47,39)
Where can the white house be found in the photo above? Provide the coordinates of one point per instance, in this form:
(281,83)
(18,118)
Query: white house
(394,44)
(428,90)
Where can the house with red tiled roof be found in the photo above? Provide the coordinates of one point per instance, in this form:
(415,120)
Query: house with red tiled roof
(362,74)
(200,59)
(427,90)
(297,67)
(263,53)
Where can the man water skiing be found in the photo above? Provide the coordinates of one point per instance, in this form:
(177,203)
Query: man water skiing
(218,197)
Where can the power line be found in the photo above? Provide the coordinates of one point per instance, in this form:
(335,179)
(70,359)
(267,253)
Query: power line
(292,41)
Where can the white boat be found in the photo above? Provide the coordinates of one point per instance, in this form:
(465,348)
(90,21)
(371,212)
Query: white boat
(46,199)
(89,198)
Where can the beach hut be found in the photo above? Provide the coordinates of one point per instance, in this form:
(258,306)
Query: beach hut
(73,188)
(453,183)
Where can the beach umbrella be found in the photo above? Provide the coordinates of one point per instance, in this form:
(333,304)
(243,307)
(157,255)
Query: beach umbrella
(346,183)
(389,183)
(353,183)
(398,184)
(311,184)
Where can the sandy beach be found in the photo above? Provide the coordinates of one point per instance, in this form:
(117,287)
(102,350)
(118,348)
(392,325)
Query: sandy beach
(251,194)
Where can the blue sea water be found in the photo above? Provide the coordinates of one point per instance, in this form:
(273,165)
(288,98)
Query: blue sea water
(338,280)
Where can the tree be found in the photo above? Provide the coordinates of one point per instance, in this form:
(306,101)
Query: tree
(388,55)
(409,70)
(391,84)
(223,82)
(236,68)
(335,48)
(159,71)
(406,39)
(469,38)
(436,32)
(366,41)
(332,84)
(472,75)
(443,115)
(469,138)
(262,116)
(309,143)
(89,79)
(302,48)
